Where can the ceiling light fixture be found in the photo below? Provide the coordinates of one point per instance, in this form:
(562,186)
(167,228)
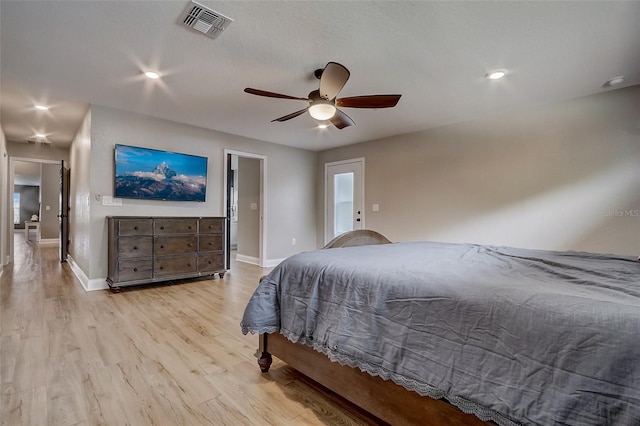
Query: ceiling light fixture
(322,111)
(615,81)
(40,135)
(323,126)
(42,107)
(152,74)
(496,74)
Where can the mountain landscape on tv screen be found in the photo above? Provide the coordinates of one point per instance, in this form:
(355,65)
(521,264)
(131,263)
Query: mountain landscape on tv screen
(160,183)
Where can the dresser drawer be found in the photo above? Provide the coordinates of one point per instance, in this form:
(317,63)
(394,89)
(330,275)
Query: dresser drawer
(135,227)
(210,243)
(135,269)
(175,245)
(211,225)
(211,262)
(135,247)
(176,226)
(175,265)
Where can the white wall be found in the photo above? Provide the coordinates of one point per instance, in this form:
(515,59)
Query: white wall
(37,152)
(290,182)
(6,225)
(550,177)
(79,196)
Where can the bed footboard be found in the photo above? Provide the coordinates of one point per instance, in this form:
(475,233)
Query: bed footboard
(382,398)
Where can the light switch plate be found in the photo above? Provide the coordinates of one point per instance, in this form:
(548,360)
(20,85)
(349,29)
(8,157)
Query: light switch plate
(110,201)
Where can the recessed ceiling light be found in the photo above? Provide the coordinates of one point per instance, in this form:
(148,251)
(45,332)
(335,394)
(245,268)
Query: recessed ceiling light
(615,81)
(496,74)
(40,135)
(151,74)
(42,107)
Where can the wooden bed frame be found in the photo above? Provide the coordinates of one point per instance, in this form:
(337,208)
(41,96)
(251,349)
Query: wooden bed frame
(382,398)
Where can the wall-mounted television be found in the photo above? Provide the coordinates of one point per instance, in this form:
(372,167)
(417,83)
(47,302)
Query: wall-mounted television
(159,175)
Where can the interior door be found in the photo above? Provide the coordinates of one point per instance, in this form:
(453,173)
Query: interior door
(344,202)
(63,215)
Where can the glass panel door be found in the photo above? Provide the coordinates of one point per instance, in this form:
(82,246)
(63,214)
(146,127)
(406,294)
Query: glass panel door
(343,203)
(344,197)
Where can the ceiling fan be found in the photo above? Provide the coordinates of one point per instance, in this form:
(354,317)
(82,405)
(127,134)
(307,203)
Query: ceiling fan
(323,102)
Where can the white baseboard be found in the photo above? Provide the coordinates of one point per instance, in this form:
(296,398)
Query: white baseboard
(247,259)
(270,263)
(49,241)
(98,284)
(87,284)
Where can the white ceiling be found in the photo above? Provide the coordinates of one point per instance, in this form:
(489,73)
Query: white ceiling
(69,54)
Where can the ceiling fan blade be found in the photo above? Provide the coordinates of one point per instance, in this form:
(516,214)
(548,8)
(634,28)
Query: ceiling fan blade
(272,94)
(369,101)
(290,116)
(341,120)
(333,78)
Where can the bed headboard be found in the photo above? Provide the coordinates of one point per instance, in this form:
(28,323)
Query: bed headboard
(360,237)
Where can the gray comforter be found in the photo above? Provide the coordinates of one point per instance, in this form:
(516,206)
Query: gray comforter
(511,335)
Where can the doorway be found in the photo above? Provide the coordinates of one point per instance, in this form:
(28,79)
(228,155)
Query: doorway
(344,197)
(245,201)
(36,183)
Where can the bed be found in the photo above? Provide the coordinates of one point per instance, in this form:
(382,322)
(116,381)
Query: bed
(437,333)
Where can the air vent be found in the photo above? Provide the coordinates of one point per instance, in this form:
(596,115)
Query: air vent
(204,20)
(38,142)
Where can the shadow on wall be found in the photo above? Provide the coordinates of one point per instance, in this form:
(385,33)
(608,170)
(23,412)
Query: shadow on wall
(561,218)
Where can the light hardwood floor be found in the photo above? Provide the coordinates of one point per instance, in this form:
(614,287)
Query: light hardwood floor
(161,355)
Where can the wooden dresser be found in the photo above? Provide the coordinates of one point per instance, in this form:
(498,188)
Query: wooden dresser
(152,249)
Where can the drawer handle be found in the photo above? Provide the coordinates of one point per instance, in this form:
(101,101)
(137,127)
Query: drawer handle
(190,245)
(162,227)
(161,246)
(188,264)
(210,243)
(135,228)
(189,226)
(135,269)
(209,262)
(161,267)
(135,247)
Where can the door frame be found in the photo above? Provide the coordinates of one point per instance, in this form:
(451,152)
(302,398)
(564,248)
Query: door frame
(262,237)
(326,193)
(11,182)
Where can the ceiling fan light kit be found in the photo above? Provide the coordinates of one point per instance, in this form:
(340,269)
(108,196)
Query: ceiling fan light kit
(323,102)
(322,111)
